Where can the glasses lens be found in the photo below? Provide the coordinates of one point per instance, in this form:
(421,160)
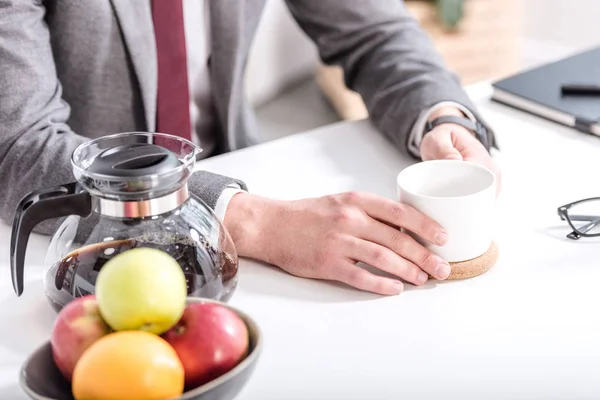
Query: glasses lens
(585,217)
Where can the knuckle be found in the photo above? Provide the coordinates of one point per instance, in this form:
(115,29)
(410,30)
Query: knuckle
(426,258)
(330,238)
(342,215)
(399,212)
(378,256)
(399,241)
(355,277)
(345,216)
(378,286)
(351,197)
(407,271)
(404,270)
(427,228)
(414,273)
(333,200)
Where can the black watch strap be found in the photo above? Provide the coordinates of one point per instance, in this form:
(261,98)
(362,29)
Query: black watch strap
(477,128)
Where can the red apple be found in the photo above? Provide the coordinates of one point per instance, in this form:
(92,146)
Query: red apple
(210,340)
(77,326)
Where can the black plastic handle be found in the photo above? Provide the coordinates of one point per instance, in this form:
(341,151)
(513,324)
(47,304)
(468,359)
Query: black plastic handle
(38,206)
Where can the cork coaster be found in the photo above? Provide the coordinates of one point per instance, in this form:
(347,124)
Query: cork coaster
(476,266)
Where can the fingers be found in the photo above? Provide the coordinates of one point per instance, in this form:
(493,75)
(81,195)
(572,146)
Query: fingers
(385,260)
(357,277)
(404,216)
(408,248)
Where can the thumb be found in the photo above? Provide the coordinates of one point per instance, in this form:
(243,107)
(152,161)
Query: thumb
(440,147)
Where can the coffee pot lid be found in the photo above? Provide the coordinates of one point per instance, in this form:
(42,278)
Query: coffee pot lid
(134,160)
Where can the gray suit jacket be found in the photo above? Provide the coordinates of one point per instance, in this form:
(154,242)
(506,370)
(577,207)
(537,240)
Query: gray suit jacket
(72,70)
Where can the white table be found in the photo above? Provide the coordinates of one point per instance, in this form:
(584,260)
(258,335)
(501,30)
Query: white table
(528,329)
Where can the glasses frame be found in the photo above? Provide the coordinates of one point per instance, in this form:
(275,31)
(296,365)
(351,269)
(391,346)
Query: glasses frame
(593,220)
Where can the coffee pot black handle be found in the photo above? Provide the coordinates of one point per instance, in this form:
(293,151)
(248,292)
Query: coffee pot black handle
(38,206)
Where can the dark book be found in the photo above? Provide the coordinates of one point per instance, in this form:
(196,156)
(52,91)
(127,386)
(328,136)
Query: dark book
(544,91)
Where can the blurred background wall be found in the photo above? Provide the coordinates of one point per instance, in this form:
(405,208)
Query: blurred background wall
(555,28)
(292,92)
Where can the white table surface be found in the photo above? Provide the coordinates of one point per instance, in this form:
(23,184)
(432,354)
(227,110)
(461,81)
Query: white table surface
(527,329)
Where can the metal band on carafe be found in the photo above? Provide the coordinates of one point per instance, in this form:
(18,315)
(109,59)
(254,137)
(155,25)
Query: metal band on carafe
(142,208)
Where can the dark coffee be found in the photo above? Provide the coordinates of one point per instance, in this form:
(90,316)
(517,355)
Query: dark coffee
(209,272)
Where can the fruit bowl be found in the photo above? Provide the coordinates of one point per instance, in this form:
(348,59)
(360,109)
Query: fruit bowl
(41,379)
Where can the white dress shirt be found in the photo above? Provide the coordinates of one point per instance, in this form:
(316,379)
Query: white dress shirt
(197,37)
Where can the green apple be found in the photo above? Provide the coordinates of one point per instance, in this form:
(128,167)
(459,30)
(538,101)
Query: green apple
(141,289)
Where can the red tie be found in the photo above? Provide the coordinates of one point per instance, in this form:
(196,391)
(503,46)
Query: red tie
(173,99)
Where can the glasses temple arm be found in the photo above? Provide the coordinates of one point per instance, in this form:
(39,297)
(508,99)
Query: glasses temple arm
(585,228)
(584,217)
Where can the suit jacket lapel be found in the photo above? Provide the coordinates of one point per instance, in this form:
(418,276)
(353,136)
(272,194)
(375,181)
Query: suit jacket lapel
(135,20)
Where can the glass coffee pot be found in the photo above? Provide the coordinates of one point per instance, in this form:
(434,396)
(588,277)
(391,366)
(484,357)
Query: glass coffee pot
(130,190)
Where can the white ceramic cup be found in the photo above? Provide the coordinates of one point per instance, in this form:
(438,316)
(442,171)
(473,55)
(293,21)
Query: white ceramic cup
(460,196)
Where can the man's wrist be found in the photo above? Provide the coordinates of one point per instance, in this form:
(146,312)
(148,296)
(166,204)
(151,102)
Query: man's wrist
(451,112)
(427,115)
(246,221)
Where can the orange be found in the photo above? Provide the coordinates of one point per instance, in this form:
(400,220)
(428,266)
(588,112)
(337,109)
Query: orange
(134,365)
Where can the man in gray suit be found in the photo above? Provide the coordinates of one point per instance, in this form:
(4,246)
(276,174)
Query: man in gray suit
(76,70)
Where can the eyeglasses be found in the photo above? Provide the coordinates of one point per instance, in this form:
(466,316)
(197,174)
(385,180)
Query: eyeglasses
(583,216)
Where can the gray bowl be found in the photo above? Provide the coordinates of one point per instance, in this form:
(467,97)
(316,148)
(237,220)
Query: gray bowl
(40,379)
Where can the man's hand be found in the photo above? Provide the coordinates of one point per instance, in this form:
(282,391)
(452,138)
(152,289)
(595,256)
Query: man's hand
(324,238)
(455,142)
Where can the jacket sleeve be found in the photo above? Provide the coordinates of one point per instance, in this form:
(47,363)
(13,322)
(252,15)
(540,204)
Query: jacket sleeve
(386,57)
(36,141)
